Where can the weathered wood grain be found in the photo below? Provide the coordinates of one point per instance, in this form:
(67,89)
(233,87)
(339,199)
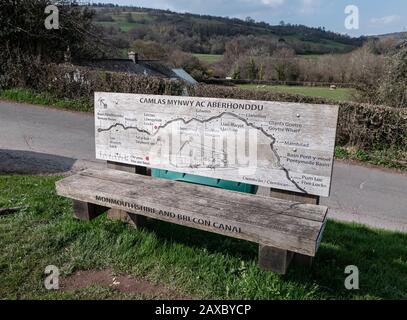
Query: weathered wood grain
(286,146)
(274,259)
(208,195)
(272,222)
(134,220)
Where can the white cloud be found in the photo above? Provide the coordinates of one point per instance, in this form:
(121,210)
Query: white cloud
(273,3)
(385,20)
(308,2)
(309,6)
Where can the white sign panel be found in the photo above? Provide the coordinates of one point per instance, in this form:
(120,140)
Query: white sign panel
(287,146)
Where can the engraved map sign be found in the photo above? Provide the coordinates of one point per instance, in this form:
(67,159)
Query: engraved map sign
(288,146)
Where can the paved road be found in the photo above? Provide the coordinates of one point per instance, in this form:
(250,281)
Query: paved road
(40,139)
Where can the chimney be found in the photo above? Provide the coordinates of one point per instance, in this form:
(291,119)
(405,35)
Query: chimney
(133,56)
(67,55)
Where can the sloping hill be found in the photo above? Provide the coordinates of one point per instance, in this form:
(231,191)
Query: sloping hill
(207,34)
(394,35)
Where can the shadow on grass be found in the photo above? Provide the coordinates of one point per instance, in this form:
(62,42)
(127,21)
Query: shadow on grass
(380,256)
(198,263)
(30,162)
(214,243)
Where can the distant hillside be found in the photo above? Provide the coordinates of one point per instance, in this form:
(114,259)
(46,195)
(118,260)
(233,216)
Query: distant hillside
(394,35)
(208,35)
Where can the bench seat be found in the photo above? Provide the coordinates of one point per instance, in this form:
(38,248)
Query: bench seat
(271,222)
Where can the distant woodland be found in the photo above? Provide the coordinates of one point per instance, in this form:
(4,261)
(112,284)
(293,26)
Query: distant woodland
(208,34)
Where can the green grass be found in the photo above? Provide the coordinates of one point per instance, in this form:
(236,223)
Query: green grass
(209,58)
(386,157)
(192,262)
(340,94)
(121,22)
(29,96)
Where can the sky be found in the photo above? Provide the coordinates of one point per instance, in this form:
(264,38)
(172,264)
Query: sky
(375,16)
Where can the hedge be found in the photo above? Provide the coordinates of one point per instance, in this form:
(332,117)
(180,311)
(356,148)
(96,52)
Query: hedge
(364,126)
(232,82)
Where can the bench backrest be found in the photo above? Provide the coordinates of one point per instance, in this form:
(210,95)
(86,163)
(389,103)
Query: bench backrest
(287,146)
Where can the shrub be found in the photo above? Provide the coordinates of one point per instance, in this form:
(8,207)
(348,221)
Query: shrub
(393,88)
(364,126)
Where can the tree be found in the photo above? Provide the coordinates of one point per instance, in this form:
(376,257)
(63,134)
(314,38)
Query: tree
(249,20)
(236,72)
(22,30)
(187,61)
(129,17)
(283,63)
(393,88)
(262,72)
(366,69)
(233,50)
(150,50)
(252,69)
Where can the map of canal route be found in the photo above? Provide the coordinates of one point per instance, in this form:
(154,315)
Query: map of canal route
(278,145)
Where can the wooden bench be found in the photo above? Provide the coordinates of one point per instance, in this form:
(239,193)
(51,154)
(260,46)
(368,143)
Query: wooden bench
(286,222)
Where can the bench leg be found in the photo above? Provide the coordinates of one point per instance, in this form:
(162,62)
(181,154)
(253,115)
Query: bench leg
(136,220)
(274,259)
(303,260)
(87,211)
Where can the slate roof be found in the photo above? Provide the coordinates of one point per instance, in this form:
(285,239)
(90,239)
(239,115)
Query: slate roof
(182,74)
(145,67)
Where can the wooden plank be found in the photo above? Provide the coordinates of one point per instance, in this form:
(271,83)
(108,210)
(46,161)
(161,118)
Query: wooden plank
(177,202)
(134,220)
(211,195)
(294,196)
(226,208)
(287,146)
(121,167)
(297,258)
(127,168)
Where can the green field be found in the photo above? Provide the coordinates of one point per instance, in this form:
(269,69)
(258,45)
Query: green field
(209,58)
(191,262)
(340,94)
(121,22)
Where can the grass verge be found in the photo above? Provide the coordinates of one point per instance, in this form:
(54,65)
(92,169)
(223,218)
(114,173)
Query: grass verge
(29,96)
(193,262)
(388,158)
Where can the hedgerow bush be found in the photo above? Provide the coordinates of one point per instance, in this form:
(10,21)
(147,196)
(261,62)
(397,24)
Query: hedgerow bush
(361,125)
(68,81)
